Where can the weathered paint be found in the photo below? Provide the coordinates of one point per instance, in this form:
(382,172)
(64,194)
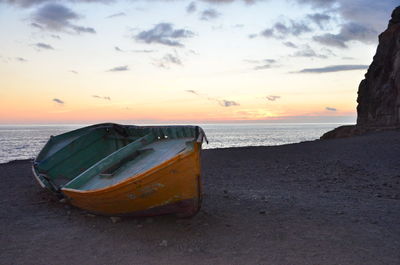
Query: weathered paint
(171,185)
(174,181)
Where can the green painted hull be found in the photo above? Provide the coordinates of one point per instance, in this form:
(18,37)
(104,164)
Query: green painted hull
(72,160)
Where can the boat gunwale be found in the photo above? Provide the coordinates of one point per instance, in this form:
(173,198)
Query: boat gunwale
(136,177)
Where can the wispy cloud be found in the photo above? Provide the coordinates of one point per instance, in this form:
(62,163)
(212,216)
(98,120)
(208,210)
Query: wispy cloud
(263,64)
(191,8)
(54,36)
(320,19)
(281,30)
(143,51)
(58,101)
(289,44)
(56,17)
(168,60)
(120,14)
(100,97)
(20,59)
(74,72)
(307,51)
(192,91)
(209,14)
(119,69)
(331,109)
(44,46)
(118,49)
(36,25)
(81,29)
(221,102)
(272,97)
(228,103)
(333,68)
(165,34)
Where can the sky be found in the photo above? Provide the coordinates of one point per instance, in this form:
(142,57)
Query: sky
(176,61)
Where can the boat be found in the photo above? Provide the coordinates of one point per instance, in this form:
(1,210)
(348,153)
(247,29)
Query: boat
(116,170)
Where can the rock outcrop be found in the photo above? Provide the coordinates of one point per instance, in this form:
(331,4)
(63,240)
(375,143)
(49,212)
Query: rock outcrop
(379,93)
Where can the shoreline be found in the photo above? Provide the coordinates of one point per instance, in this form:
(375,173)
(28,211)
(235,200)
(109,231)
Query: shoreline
(316,202)
(203,150)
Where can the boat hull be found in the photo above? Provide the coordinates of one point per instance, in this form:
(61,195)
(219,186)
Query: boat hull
(172,187)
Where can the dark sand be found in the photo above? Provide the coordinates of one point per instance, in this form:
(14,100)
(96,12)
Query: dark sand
(321,202)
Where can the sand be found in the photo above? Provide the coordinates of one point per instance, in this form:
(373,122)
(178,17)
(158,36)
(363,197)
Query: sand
(321,202)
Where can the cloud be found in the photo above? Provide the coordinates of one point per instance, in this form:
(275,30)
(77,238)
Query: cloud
(281,30)
(318,3)
(55,36)
(231,1)
(370,13)
(320,19)
(192,91)
(308,52)
(273,98)
(80,29)
(228,103)
(348,32)
(267,33)
(168,60)
(36,25)
(20,59)
(221,102)
(100,97)
(238,26)
(74,72)
(118,49)
(263,64)
(289,44)
(119,69)
(58,101)
(266,64)
(165,34)
(209,14)
(120,14)
(369,16)
(44,46)
(56,17)
(333,68)
(143,51)
(331,109)
(191,7)
(174,59)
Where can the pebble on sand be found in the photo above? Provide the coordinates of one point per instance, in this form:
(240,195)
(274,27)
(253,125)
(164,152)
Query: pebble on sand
(164,243)
(115,219)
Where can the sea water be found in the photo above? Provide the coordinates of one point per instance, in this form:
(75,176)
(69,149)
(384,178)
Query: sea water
(25,141)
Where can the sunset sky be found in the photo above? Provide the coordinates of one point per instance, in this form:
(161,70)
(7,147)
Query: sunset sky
(160,61)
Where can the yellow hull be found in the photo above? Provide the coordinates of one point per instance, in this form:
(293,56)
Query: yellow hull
(171,187)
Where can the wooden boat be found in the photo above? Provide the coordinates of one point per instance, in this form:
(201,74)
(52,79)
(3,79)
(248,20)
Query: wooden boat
(113,169)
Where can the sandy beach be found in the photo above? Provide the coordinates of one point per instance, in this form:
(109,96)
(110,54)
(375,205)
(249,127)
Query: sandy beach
(320,202)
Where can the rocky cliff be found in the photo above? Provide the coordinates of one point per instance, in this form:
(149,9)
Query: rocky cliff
(379,93)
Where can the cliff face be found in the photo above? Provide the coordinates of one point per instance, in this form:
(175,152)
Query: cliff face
(379,93)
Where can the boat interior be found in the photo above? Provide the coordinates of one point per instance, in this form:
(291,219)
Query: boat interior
(103,155)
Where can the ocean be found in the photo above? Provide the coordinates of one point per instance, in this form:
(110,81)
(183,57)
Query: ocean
(25,141)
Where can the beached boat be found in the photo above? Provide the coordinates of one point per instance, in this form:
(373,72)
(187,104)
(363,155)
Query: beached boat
(113,169)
